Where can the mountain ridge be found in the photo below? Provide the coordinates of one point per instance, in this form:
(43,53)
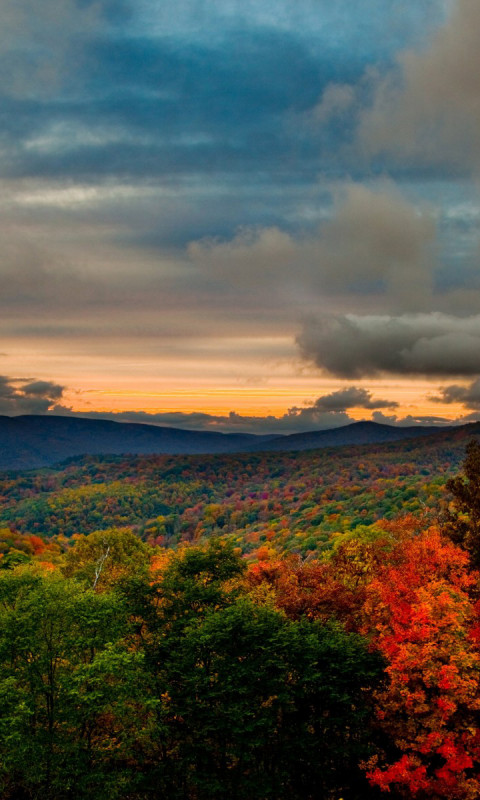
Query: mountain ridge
(362,432)
(33,441)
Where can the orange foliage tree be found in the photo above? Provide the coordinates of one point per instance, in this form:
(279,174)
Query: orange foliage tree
(302,589)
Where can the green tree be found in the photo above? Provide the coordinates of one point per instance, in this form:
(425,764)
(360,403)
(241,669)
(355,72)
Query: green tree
(13,558)
(251,704)
(104,557)
(70,690)
(462,515)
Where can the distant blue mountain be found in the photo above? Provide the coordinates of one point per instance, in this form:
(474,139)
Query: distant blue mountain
(32,441)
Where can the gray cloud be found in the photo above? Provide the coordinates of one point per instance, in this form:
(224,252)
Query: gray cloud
(352,346)
(296,420)
(412,420)
(40,49)
(469,396)
(27,397)
(378,241)
(429,109)
(351,397)
(37,276)
(43,389)
(374,243)
(80,274)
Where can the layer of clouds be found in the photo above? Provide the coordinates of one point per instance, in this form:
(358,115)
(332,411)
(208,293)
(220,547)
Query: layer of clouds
(100,89)
(353,346)
(166,107)
(374,244)
(225,126)
(28,397)
(328,411)
(428,110)
(37,275)
(296,420)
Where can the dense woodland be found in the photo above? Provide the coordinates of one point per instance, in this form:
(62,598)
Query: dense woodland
(247,627)
(292,502)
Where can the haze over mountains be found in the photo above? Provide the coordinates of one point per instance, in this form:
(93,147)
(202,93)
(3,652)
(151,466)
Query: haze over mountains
(33,441)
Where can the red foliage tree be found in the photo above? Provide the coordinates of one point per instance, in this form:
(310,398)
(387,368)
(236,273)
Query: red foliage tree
(420,617)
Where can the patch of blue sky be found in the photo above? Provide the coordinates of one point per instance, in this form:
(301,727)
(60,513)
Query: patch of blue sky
(370,26)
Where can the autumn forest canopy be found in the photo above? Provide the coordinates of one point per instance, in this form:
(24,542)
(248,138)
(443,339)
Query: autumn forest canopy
(288,625)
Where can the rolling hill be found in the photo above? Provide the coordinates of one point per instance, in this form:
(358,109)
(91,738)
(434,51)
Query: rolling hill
(33,441)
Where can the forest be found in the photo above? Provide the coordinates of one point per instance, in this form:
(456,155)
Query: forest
(300,502)
(151,649)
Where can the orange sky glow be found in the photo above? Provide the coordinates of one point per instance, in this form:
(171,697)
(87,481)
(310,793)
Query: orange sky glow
(118,384)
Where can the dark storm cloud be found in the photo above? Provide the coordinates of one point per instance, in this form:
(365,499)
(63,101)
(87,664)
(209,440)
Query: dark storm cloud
(27,397)
(415,344)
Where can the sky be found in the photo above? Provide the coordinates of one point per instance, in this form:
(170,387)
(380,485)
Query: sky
(240,215)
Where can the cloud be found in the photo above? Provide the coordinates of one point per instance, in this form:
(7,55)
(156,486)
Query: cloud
(378,241)
(412,420)
(40,49)
(351,397)
(428,110)
(27,397)
(337,100)
(374,243)
(223,125)
(469,396)
(353,346)
(143,105)
(43,389)
(214,96)
(375,247)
